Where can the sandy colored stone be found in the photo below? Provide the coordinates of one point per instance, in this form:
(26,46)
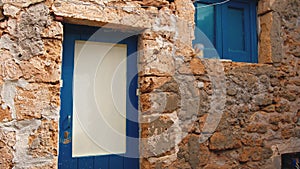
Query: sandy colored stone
(156,60)
(197,67)
(163,102)
(44,68)
(21,3)
(9,68)
(44,141)
(10,10)
(224,140)
(257,127)
(265,47)
(7,141)
(55,30)
(148,84)
(5,115)
(264,6)
(249,153)
(36,101)
(100,13)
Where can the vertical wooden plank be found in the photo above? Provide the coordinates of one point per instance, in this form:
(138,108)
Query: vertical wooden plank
(65,160)
(101,162)
(85,163)
(132,127)
(116,162)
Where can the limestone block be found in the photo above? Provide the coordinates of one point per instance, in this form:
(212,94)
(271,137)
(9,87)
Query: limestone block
(224,140)
(54,30)
(197,67)
(156,57)
(5,114)
(10,10)
(25,40)
(44,68)
(8,139)
(263,99)
(161,140)
(165,21)
(252,139)
(257,127)
(156,126)
(163,102)
(112,13)
(9,69)
(264,6)
(149,84)
(21,3)
(37,101)
(185,10)
(265,48)
(44,141)
(155,3)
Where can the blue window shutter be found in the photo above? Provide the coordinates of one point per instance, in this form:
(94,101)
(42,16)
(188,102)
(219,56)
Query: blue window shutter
(235,27)
(208,22)
(236,31)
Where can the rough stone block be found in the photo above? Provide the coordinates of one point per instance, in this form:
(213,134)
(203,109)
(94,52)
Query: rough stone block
(257,127)
(159,137)
(263,99)
(197,67)
(44,141)
(224,140)
(10,10)
(9,69)
(7,141)
(21,3)
(44,68)
(165,84)
(36,101)
(54,30)
(264,6)
(158,102)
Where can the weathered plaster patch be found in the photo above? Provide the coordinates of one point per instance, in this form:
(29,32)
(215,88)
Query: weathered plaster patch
(23,130)
(8,93)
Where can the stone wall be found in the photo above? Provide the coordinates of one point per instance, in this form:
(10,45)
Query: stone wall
(194,113)
(213,114)
(30,62)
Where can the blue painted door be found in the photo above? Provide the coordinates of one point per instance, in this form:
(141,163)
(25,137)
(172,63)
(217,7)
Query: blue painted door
(129,159)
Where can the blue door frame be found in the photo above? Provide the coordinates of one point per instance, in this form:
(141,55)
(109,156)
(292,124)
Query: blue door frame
(130,159)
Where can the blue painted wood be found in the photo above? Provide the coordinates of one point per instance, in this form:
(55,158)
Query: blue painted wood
(226,30)
(253,25)
(65,146)
(85,163)
(101,162)
(233,28)
(77,32)
(116,162)
(219,31)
